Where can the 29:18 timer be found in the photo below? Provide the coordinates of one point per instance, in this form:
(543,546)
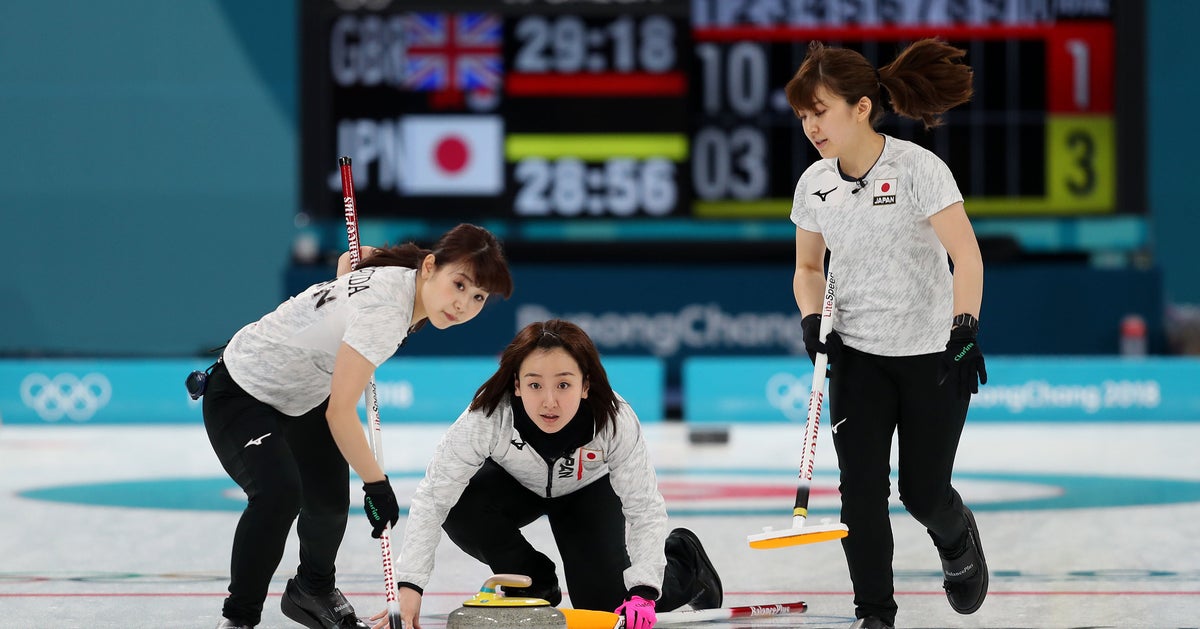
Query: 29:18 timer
(568,186)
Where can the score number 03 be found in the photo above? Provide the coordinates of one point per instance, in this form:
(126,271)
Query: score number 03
(568,186)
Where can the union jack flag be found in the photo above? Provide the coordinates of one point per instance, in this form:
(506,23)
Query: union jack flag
(453,51)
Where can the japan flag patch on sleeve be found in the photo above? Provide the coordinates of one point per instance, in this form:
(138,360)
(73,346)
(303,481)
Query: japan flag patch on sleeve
(885,192)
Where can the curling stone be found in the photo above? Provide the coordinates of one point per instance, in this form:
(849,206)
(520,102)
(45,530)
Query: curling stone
(491,608)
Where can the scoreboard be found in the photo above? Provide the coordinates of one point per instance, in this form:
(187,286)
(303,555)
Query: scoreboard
(1038,137)
(519,110)
(615,112)
(596,113)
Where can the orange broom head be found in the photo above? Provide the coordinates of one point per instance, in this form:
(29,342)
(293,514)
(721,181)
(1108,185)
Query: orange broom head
(588,619)
(796,537)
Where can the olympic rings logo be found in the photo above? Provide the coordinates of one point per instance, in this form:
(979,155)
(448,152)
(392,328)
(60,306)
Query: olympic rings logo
(65,395)
(789,394)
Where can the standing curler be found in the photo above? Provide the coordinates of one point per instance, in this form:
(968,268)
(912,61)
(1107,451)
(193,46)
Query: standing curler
(903,354)
(281,412)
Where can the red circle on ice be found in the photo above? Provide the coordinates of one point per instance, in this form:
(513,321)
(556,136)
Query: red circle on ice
(451,154)
(885,187)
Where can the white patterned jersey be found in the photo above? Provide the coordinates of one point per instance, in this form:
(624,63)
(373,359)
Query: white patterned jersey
(895,292)
(286,358)
(618,452)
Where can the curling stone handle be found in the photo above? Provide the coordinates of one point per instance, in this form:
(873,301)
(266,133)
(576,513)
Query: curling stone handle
(507,580)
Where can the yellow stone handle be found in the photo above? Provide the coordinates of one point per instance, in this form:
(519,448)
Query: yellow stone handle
(507,580)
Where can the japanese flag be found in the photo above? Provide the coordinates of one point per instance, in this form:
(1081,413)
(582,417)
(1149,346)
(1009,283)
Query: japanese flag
(453,155)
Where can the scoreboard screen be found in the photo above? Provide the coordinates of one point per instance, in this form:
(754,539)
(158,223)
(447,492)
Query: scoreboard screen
(519,110)
(1038,137)
(615,112)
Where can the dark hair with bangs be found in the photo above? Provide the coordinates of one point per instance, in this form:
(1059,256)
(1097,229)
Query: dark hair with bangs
(470,245)
(546,335)
(924,81)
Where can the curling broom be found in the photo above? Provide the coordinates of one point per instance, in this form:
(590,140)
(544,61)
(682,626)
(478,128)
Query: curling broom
(375,434)
(589,619)
(799,533)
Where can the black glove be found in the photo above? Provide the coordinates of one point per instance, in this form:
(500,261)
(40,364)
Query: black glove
(962,362)
(380,505)
(832,347)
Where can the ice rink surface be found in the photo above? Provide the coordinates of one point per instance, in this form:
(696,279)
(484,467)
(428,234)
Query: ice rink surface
(1084,525)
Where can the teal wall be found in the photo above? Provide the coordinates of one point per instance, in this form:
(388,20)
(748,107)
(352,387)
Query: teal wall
(1173,138)
(148,171)
(148,177)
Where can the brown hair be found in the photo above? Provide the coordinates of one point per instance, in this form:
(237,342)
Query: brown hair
(924,81)
(546,335)
(473,246)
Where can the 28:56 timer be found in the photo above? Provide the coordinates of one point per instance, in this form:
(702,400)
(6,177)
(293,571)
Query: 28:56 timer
(568,186)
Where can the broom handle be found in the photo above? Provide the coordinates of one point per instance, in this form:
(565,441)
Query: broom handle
(375,434)
(816,400)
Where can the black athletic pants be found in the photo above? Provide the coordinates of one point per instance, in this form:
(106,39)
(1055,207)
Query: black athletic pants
(288,466)
(872,397)
(588,528)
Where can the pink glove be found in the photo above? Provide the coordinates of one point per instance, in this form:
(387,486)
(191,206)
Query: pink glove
(638,613)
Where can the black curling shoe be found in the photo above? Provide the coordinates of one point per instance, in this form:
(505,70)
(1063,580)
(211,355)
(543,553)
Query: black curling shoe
(709,593)
(966,575)
(319,611)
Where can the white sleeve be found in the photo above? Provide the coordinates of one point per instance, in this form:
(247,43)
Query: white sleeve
(934,188)
(374,333)
(468,442)
(635,483)
(803,215)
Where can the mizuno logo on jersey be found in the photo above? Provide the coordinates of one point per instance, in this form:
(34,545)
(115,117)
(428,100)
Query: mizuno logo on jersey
(822,195)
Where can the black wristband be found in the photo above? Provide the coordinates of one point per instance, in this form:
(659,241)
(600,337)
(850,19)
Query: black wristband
(379,484)
(966,320)
(645,591)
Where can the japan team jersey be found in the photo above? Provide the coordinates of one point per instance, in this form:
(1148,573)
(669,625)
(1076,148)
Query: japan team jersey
(618,452)
(286,358)
(895,292)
